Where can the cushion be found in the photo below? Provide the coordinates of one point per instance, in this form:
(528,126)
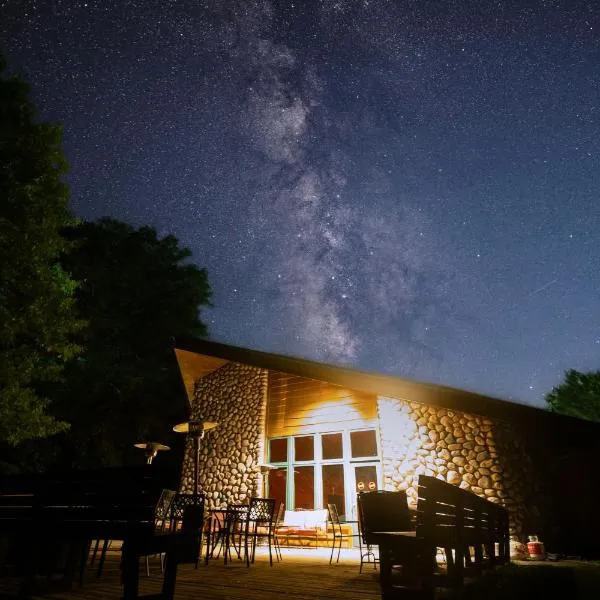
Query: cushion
(305,519)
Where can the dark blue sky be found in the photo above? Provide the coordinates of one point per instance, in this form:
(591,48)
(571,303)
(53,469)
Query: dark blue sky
(401,186)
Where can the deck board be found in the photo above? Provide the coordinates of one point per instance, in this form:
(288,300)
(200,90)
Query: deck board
(302,575)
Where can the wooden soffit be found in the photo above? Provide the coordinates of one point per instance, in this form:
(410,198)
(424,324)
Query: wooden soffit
(194,366)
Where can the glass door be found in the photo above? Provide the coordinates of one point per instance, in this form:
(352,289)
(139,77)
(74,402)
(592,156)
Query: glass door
(334,488)
(365,478)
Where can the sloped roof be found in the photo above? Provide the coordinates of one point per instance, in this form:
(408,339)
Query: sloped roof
(198,357)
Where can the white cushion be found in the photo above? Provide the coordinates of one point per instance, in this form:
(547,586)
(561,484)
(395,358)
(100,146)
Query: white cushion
(305,519)
(293,518)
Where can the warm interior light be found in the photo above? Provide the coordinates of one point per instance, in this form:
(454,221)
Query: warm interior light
(266,468)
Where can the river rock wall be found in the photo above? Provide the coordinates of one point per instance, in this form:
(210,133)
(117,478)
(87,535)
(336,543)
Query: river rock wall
(475,453)
(235,397)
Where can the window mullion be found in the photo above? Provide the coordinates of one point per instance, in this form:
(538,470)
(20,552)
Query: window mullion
(291,487)
(318,471)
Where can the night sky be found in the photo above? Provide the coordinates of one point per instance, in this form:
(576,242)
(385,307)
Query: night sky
(401,186)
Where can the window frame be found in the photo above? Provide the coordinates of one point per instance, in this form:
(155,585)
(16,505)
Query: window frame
(348,463)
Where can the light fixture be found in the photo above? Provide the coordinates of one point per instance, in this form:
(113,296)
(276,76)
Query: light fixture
(151,449)
(195,429)
(265,469)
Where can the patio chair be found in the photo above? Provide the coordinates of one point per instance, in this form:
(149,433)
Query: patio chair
(234,529)
(177,512)
(192,521)
(215,532)
(338,531)
(276,529)
(162,513)
(380,510)
(259,524)
(161,516)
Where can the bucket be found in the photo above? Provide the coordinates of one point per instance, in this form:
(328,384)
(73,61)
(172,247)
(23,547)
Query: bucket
(518,550)
(535,548)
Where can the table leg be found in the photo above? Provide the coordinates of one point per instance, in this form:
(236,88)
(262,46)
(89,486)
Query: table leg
(131,572)
(170,577)
(385,570)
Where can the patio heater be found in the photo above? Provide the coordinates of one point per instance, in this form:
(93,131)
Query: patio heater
(151,449)
(265,470)
(195,430)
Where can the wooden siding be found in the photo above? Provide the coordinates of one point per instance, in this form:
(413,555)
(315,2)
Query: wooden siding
(298,405)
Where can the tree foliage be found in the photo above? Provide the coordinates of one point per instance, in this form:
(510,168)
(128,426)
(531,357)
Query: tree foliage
(136,292)
(577,396)
(37,317)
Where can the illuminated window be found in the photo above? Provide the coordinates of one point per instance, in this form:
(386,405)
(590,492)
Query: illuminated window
(363,444)
(327,468)
(278,450)
(334,491)
(304,488)
(278,485)
(332,446)
(304,448)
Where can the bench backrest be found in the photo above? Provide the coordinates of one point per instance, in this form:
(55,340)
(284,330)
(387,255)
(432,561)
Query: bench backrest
(450,517)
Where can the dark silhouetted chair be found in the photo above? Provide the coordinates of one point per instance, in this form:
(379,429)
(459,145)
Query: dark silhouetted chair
(380,510)
(177,511)
(161,517)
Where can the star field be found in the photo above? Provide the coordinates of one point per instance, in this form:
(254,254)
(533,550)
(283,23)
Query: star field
(400,186)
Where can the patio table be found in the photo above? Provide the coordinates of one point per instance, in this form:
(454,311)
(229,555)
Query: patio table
(225,526)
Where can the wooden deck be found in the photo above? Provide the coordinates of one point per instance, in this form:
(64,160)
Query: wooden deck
(303,574)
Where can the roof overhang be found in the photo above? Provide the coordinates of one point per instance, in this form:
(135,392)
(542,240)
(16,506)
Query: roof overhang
(198,357)
(193,366)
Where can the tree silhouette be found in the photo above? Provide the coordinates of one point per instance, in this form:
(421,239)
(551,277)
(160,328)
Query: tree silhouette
(577,396)
(37,315)
(136,292)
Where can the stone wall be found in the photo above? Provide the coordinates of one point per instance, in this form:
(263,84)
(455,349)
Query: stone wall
(473,452)
(235,397)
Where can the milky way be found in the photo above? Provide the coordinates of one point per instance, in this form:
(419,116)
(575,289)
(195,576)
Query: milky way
(408,187)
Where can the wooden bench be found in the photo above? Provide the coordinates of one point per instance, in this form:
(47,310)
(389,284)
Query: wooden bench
(472,532)
(47,515)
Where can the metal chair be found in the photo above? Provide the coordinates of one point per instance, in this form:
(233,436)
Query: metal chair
(259,524)
(338,532)
(178,511)
(162,513)
(161,516)
(192,523)
(215,533)
(276,529)
(234,528)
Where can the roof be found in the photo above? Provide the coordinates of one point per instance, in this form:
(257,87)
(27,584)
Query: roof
(199,357)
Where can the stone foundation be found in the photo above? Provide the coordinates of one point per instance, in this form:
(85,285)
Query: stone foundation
(235,397)
(472,452)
